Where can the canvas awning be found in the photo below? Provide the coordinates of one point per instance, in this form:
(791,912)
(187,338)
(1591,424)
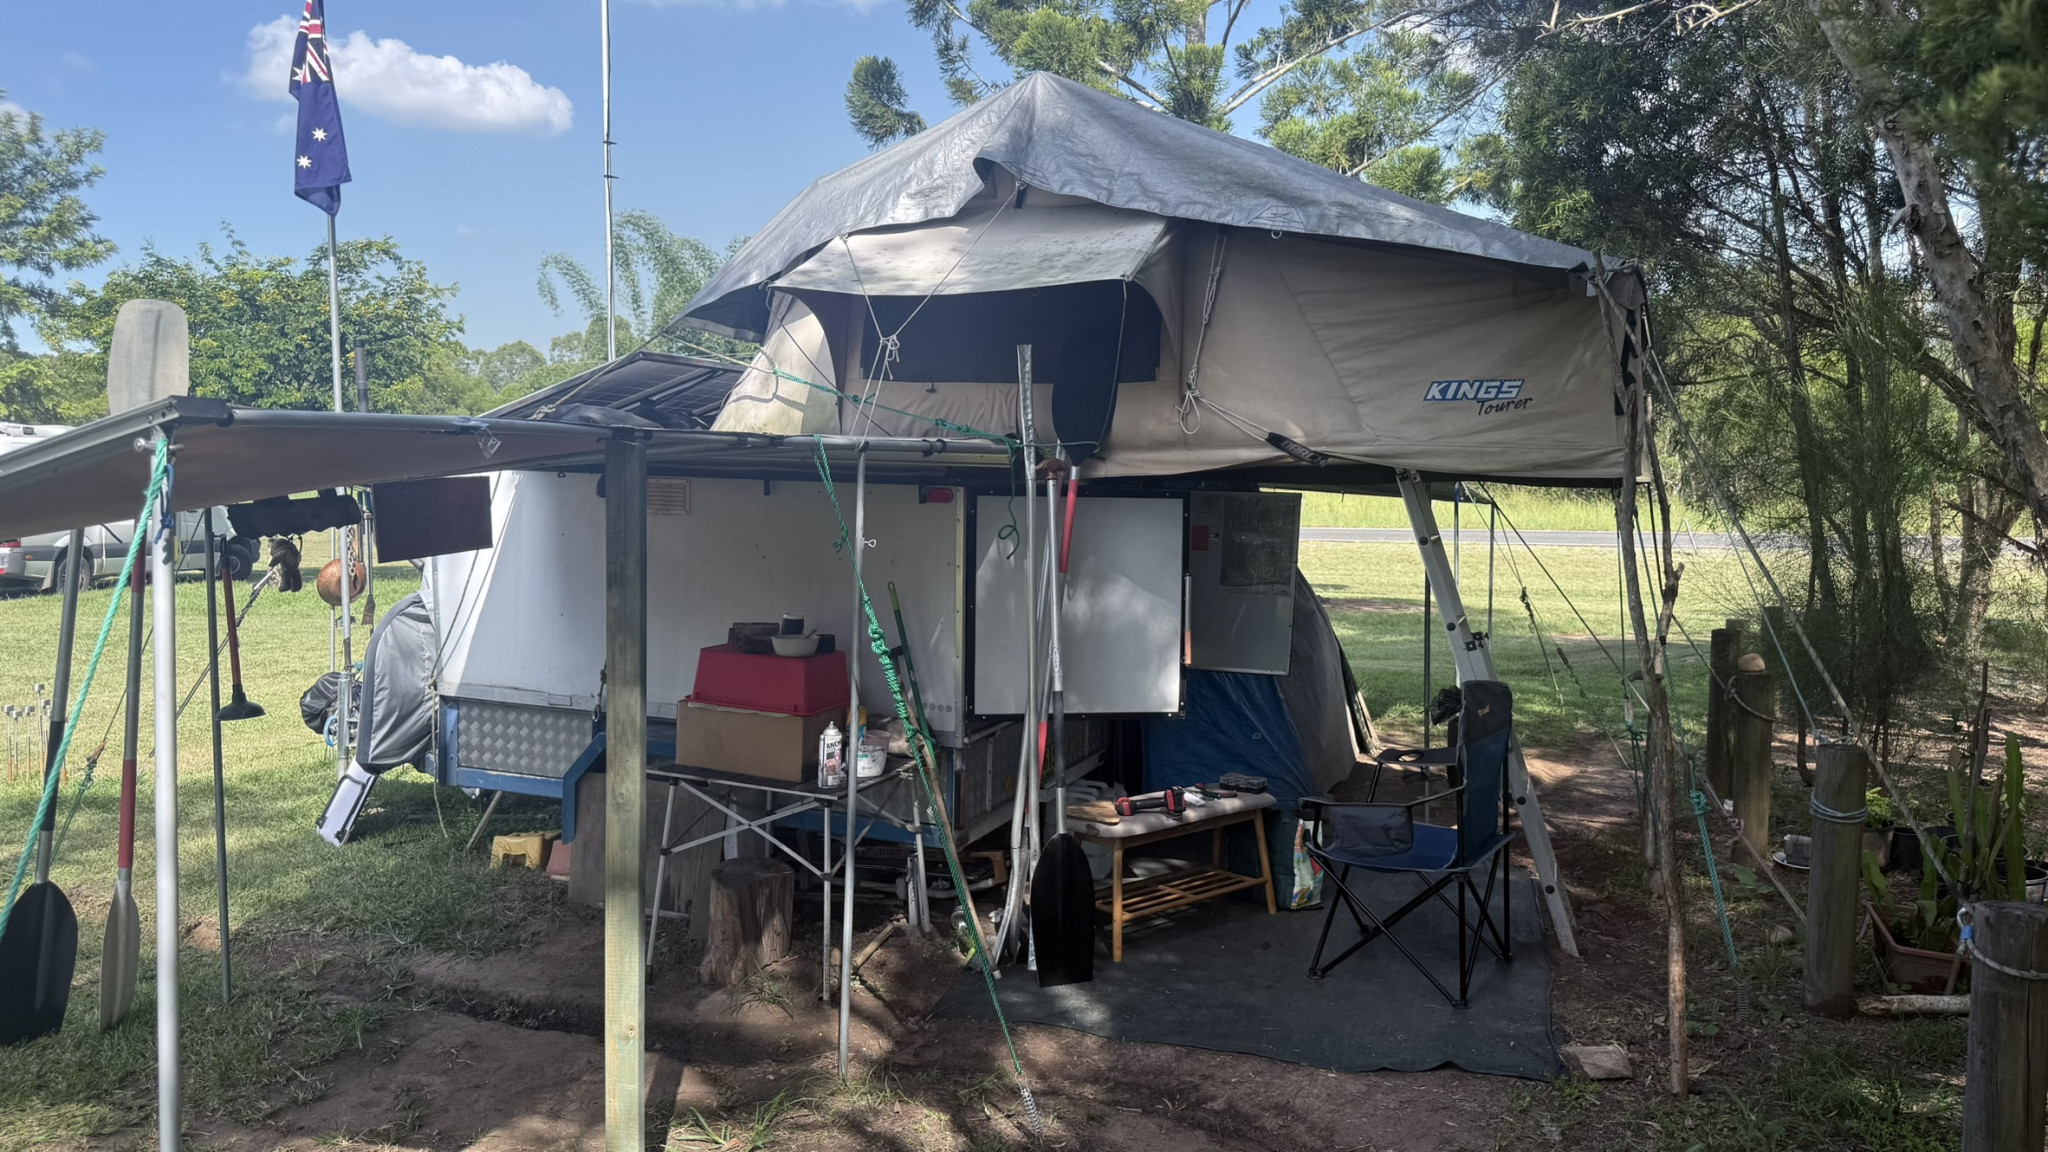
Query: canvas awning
(226,455)
(996,250)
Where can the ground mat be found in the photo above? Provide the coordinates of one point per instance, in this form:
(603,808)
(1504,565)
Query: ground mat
(1227,976)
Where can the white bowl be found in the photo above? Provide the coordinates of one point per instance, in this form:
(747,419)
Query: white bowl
(795,645)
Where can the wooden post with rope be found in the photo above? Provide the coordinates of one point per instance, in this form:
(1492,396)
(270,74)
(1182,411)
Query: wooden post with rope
(1751,708)
(1835,878)
(2005,1068)
(1722,648)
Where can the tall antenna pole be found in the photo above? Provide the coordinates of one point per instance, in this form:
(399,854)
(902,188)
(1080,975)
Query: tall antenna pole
(611,320)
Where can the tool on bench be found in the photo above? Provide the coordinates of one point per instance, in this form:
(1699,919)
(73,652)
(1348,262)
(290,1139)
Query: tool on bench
(1173,802)
(1241,782)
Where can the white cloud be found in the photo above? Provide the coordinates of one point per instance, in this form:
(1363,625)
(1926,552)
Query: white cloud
(389,79)
(9,110)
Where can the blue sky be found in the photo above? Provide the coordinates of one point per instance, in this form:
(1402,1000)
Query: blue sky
(477,165)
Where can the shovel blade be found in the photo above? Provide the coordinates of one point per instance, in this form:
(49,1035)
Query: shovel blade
(38,953)
(120,959)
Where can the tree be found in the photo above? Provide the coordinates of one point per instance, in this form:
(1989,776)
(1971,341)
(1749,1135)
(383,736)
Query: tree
(1201,61)
(877,103)
(45,227)
(506,364)
(259,329)
(659,273)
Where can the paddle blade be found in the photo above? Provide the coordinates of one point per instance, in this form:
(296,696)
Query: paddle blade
(1063,913)
(38,954)
(150,356)
(120,959)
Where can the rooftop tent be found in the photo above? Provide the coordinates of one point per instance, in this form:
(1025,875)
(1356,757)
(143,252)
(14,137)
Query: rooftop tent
(1194,302)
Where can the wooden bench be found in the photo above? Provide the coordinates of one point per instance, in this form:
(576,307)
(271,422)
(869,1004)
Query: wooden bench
(1127,901)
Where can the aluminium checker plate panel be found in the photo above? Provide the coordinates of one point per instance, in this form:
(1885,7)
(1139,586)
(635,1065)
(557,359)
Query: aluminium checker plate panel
(519,739)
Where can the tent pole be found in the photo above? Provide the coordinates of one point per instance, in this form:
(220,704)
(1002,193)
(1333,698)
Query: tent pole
(852,758)
(625,980)
(164,608)
(1473,655)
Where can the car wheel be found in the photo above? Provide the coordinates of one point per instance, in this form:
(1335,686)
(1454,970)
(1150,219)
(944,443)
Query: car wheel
(239,556)
(63,570)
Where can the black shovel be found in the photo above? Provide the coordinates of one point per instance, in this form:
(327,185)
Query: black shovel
(39,948)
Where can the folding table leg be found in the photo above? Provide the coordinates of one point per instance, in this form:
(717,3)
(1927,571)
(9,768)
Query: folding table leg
(1265,862)
(1116,904)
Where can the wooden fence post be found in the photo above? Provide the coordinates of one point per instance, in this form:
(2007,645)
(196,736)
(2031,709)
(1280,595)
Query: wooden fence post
(1721,650)
(1835,877)
(2005,1073)
(1751,713)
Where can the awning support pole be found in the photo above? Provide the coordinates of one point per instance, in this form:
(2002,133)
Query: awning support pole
(1472,654)
(855,734)
(625,610)
(163,589)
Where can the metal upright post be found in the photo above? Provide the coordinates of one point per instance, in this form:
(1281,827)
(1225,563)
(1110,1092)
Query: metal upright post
(611,322)
(362,359)
(341,707)
(1472,655)
(625,980)
(163,578)
(852,759)
(220,799)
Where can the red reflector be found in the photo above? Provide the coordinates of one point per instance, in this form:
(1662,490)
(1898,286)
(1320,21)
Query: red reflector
(935,496)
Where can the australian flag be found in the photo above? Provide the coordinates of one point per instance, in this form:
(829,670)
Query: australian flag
(320,162)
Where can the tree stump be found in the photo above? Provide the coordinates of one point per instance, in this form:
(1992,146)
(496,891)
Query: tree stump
(749,923)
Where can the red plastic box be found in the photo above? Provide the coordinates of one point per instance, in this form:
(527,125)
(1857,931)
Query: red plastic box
(791,685)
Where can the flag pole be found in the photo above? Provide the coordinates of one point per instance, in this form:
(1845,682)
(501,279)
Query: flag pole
(341,707)
(611,322)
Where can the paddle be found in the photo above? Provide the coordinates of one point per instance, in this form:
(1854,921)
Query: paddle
(239,706)
(148,361)
(39,949)
(1062,886)
(121,955)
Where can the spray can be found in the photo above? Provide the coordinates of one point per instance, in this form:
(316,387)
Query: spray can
(831,757)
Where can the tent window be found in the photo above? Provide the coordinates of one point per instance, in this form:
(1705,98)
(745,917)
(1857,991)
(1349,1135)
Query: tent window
(972,339)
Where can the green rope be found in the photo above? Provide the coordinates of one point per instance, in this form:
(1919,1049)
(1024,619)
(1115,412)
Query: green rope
(159,473)
(1699,812)
(879,644)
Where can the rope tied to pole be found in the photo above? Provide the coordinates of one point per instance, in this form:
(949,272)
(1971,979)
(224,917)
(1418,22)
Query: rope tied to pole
(878,644)
(160,471)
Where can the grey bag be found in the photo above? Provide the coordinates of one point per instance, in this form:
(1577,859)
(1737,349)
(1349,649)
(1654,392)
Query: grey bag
(396,725)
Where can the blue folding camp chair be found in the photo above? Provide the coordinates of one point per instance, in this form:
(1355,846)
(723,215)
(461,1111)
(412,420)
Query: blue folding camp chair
(1387,838)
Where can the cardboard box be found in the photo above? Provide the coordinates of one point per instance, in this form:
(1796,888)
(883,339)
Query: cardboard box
(771,745)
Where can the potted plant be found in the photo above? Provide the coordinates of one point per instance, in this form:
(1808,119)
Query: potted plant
(1881,827)
(1983,859)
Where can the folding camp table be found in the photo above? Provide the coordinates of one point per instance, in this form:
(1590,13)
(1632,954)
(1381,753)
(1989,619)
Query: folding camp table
(786,799)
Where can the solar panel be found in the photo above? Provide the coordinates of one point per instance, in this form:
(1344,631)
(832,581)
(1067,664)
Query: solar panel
(672,391)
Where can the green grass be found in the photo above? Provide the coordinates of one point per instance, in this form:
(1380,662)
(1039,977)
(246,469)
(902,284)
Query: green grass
(1530,509)
(401,886)
(1374,593)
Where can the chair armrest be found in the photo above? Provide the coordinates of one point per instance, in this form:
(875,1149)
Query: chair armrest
(1417,757)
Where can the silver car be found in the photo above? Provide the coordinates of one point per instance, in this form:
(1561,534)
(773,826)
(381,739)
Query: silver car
(39,561)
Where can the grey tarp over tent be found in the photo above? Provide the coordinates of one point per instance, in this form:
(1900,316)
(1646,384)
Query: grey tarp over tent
(1226,291)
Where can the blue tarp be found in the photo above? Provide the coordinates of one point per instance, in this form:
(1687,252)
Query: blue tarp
(1233,722)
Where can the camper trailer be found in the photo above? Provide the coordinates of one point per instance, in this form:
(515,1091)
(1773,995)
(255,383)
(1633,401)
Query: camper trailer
(1182,320)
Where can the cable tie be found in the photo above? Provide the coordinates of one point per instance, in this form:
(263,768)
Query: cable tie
(1823,812)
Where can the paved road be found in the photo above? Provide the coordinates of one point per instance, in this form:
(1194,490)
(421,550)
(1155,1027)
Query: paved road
(1476,537)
